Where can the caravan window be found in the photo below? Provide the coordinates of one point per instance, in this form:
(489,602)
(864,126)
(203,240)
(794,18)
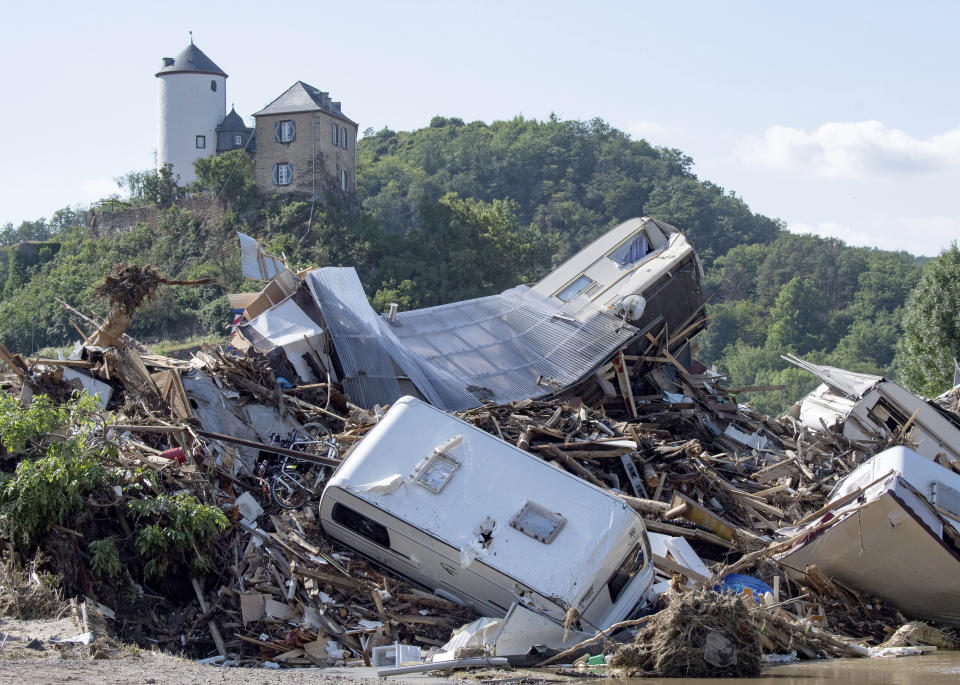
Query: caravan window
(631,251)
(575,288)
(885,415)
(361,525)
(623,575)
(437,472)
(538,522)
(946,498)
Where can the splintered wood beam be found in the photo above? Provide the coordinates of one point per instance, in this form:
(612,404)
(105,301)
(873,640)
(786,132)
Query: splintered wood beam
(623,380)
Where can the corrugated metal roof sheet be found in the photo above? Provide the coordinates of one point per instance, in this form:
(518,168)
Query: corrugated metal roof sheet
(502,348)
(510,346)
(369,375)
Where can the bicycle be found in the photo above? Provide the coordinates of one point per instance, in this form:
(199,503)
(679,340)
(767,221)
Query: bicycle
(291,481)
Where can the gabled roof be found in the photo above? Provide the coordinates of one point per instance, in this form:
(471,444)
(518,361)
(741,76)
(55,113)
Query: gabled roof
(302,97)
(232,122)
(191,60)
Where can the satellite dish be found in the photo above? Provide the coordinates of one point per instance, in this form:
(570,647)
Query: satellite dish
(631,307)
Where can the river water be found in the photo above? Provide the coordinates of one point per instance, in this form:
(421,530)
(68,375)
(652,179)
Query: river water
(938,668)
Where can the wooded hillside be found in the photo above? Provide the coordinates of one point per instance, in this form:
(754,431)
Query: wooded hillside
(457,210)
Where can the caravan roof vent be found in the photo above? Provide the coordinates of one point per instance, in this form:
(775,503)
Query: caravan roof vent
(436,471)
(537,522)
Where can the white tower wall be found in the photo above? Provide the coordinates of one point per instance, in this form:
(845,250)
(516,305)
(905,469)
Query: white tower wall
(188,107)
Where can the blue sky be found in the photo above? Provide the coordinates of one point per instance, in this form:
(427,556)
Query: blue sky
(839,118)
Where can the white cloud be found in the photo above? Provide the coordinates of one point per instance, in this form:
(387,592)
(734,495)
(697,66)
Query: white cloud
(96,189)
(851,150)
(917,235)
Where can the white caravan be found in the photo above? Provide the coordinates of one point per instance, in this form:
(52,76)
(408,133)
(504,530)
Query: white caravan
(474,518)
(642,257)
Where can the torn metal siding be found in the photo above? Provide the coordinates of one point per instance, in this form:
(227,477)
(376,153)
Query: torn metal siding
(510,346)
(254,263)
(850,383)
(369,377)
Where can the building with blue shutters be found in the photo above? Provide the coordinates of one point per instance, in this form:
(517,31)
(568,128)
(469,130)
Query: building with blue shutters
(305,144)
(302,141)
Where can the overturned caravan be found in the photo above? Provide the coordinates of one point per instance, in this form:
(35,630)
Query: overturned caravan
(475,519)
(891,528)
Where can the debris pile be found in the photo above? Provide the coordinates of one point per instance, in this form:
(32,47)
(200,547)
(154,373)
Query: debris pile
(698,634)
(181,541)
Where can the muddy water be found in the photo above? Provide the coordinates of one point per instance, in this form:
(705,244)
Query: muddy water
(938,668)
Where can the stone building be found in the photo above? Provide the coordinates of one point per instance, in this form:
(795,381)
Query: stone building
(305,143)
(302,142)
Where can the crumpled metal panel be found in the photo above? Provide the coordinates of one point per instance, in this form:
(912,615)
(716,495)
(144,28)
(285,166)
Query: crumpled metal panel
(255,263)
(508,347)
(369,375)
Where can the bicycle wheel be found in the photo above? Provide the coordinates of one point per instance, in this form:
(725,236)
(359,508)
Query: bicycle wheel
(290,489)
(312,438)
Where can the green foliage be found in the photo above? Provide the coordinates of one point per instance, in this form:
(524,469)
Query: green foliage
(477,248)
(229,176)
(152,186)
(181,533)
(739,320)
(931,327)
(798,318)
(105,558)
(570,178)
(22,427)
(46,491)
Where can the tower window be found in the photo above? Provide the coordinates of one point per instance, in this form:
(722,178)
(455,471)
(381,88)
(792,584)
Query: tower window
(284,131)
(237,141)
(201,142)
(344,180)
(282,174)
(213,85)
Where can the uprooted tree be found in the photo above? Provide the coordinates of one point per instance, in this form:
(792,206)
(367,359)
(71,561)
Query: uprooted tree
(125,287)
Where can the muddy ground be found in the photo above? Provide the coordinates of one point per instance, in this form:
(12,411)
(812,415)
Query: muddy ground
(29,654)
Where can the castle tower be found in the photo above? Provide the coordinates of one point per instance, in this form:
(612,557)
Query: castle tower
(192,99)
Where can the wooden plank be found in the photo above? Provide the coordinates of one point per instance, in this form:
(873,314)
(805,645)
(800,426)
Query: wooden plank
(670,566)
(696,513)
(72,363)
(623,380)
(212,625)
